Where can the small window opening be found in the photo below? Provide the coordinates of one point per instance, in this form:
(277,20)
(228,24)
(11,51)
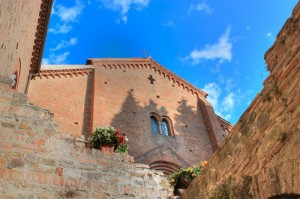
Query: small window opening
(154,124)
(165,130)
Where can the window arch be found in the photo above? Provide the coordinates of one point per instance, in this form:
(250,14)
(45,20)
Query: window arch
(154,124)
(161,125)
(164,127)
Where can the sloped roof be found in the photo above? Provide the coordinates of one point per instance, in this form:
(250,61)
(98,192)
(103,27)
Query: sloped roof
(140,63)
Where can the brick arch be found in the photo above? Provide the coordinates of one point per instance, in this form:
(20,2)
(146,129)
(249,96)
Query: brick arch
(169,123)
(165,166)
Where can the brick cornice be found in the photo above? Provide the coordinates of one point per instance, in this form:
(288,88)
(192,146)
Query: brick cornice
(53,73)
(140,63)
(40,36)
(179,80)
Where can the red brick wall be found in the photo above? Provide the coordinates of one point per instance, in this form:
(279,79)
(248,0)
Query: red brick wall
(69,97)
(18,22)
(124,98)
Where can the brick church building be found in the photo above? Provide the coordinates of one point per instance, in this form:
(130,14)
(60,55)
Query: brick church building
(168,121)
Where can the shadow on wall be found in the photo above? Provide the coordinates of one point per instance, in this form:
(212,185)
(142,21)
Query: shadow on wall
(128,119)
(134,121)
(190,124)
(87,123)
(147,146)
(186,116)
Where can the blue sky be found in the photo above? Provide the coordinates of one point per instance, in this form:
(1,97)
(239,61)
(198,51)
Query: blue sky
(216,45)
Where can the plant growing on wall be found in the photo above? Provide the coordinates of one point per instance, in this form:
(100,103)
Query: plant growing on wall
(184,176)
(109,135)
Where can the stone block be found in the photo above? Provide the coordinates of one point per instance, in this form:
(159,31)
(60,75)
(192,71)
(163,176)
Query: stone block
(48,161)
(3,162)
(25,126)
(59,171)
(17,163)
(8,125)
(50,132)
(32,158)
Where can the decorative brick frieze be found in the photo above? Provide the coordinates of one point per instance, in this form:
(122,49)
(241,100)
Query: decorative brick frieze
(63,73)
(40,36)
(144,63)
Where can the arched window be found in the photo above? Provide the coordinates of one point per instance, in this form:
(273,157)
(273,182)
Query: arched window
(161,125)
(154,124)
(165,130)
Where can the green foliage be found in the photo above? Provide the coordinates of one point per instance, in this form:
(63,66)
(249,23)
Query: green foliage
(228,191)
(109,135)
(282,136)
(188,174)
(103,135)
(225,191)
(123,149)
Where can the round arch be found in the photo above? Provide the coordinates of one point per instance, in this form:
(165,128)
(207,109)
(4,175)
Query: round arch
(165,166)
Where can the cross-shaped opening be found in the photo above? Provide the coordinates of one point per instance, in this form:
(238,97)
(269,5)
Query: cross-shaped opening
(151,79)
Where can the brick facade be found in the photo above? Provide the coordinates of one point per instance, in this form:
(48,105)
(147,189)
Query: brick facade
(66,93)
(119,93)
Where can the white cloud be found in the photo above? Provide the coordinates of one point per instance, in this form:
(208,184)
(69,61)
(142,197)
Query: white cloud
(123,6)
(168,24)
(124,19)
(61,28)
(269,34)
(222,50)
(230,84)
(214,92)
(223,107)
(67,16)
(201,7)
(56,58)
(65,44)
(228,102)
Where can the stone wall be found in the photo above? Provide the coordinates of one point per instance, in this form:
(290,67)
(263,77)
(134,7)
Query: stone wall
(36,161)
(18,25)
(261,157)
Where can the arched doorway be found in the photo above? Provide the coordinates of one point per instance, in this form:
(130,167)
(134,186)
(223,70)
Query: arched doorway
(166,167)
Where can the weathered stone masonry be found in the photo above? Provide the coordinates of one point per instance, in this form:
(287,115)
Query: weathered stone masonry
(261,157)
(36,161)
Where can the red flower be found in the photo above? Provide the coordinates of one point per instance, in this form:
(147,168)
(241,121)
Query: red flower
(123,140)
(118,131)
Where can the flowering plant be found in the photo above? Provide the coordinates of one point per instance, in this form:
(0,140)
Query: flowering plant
(109,135)
(188,174)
